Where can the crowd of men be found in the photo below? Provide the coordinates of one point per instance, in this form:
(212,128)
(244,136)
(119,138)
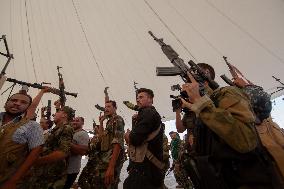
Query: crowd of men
(231,142)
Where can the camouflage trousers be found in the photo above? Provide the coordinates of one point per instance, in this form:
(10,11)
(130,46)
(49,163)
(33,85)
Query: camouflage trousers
(44,183)
(92,178)
(182,177)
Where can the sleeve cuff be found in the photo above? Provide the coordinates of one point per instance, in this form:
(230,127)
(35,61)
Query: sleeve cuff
(198,106)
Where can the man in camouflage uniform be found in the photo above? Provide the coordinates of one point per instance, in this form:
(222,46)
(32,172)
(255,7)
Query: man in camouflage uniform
(177,149)
(226,151)
(180,172)
(166,155)
(51,167)
(105,153)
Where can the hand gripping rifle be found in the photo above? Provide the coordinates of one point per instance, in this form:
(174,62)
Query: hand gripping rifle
(47,115)
(235,73)
(99,107)
(129,104)
(180,68)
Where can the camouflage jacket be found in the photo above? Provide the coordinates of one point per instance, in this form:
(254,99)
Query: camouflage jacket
(100,150)
(59,139)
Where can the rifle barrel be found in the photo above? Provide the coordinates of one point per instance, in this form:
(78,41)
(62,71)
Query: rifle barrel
(39,86)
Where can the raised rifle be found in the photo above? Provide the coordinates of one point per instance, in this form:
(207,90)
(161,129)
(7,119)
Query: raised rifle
(106,94)
(180,68)
(62,96)
(129,104)
(235,73)
(9,57)
(39,86)
(47,115)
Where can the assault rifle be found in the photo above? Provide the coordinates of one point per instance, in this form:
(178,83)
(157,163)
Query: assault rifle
(39,86)
(235,73)
(129,104)
(101,108)
(9,57)
(61,94)
(180,68)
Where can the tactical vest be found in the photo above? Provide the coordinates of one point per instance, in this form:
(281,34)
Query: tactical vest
(12,154)
(138,153)
(221,167)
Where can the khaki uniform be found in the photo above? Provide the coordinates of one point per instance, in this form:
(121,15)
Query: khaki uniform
(272,138)
(12,154)
(100,153)
(226,142)
(52,175)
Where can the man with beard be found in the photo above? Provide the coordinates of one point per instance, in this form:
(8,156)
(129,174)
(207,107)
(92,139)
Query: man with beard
(79,147)
(20,140)
(105,155)
(51,167)
(145,145)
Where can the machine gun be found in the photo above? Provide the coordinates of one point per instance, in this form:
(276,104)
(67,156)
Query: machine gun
(180,68)
(9,57)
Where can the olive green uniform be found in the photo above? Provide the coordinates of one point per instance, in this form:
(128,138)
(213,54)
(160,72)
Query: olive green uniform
(100,153)
(226,150)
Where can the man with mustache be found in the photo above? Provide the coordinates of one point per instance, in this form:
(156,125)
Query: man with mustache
(105,155)
(20,140)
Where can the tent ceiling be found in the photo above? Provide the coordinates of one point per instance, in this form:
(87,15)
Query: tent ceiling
(105,43)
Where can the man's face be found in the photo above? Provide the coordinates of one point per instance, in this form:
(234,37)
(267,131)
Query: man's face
(43,123)
(144,100)
(109,109)
(59,116)
(173,135)
(17,104)
(77,123)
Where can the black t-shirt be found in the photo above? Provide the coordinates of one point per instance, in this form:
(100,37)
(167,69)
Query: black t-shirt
(147,121)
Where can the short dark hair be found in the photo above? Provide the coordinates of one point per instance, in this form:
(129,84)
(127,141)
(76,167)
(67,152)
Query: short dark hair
(69,111)
(25,94)
(82,119)
(205,66)
(112,102)
(145,90)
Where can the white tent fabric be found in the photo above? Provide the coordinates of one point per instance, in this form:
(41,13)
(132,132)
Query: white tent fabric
(103,43)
